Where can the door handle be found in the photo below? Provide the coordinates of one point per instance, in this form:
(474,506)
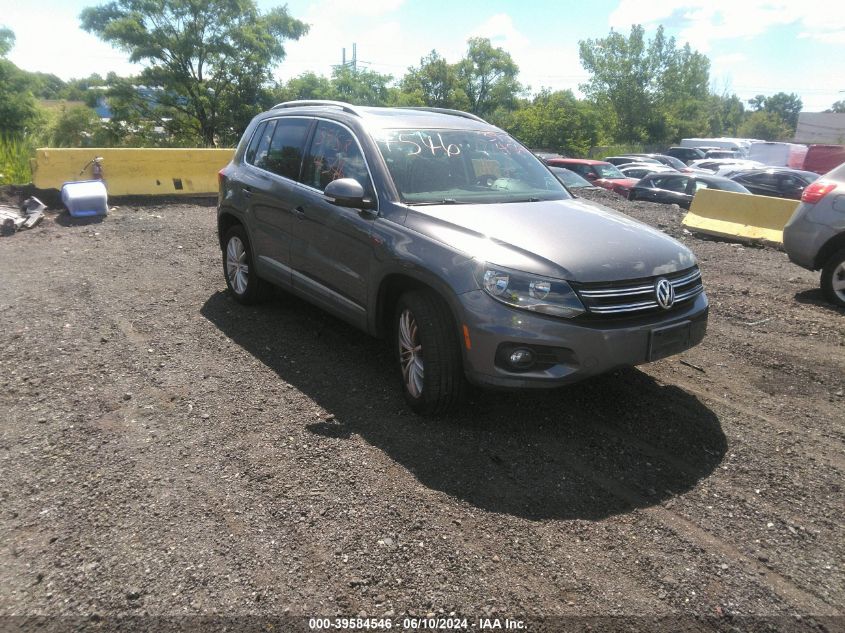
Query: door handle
(247,192)
(299,212)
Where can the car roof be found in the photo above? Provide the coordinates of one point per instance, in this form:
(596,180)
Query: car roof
(378,117)
(578,161)
(775,170)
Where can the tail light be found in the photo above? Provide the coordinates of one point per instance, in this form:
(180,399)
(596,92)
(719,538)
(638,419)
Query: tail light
(221,177)
(817,190)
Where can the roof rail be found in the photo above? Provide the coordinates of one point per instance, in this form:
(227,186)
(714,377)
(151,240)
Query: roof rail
(316,103)
(460,113)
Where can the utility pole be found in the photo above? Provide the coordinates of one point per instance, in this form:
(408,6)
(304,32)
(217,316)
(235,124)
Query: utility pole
(353,63)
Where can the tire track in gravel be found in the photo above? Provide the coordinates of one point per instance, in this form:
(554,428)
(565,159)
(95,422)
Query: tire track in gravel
(804,600)
(821,451)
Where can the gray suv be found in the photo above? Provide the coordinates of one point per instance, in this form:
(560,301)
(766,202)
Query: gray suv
(441,233)
(814,237)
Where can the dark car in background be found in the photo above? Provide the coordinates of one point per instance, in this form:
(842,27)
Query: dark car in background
(686,154)
(597,172)
(573,181)
(677,188)
(778,182)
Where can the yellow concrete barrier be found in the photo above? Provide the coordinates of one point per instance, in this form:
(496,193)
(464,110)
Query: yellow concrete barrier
(739,215)
(145,171)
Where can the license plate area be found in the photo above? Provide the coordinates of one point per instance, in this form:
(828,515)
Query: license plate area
(669,340)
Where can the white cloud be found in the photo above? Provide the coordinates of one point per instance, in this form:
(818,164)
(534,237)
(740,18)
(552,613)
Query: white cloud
(540,65)
(43,45)
(704,24)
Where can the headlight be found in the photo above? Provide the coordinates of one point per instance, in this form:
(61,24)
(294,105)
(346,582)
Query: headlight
(530,292)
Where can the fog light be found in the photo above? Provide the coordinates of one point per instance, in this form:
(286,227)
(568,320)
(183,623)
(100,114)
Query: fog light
(521,358)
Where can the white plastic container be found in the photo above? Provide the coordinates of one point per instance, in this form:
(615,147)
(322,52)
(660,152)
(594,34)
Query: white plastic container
(85,198)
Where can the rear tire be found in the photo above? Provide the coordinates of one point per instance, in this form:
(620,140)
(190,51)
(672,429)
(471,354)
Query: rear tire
(426,348)
(239,268)
(833,279)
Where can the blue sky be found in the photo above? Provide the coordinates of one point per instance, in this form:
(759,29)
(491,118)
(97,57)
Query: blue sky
(755,46)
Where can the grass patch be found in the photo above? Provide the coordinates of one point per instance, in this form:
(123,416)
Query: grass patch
(15,152)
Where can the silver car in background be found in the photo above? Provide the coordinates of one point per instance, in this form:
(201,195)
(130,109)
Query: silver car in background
(814,237)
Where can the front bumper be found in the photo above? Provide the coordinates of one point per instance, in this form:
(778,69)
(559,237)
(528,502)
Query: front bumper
(583,347)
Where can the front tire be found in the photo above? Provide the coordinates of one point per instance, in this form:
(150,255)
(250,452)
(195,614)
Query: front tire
(427,350)
(833,279)
(239,268)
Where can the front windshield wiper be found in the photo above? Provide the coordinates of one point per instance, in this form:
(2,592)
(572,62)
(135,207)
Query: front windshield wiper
(436,202)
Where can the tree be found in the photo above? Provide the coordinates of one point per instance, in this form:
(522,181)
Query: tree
(76,126)
(436,82)
(205,57)
(487,76)
(308,85)
(785,106)
(838,106)
(556,121)
(361,87)
(757,103)
(18,111)
(656,90)
(7,40)
(765,125)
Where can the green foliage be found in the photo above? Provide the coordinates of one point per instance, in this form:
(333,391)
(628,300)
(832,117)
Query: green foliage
(306,86)
(7,40)
(725,114)
(361,87)
(767,126)
(656,90)
(487,76)
(785,106)
(784,109)
(838,106)
(556,121)
(435,82)
(15,152)
(207,57)
(77,126)
(18,109)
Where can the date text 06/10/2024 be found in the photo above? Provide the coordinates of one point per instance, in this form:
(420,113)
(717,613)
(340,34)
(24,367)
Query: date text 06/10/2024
(416,624)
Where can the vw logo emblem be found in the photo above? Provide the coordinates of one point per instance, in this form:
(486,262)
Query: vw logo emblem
(664,291)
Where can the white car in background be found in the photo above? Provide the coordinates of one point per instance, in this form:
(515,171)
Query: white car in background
(724,166)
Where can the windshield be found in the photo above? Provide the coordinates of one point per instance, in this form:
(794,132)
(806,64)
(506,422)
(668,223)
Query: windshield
(728,185)
(464,167)
(608,171)
(570,178)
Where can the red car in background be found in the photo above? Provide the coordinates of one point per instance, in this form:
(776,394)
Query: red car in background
(598,172)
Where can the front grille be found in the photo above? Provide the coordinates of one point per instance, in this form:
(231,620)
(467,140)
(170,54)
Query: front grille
(638,296)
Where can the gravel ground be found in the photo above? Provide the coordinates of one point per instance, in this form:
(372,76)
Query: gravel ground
(168,452)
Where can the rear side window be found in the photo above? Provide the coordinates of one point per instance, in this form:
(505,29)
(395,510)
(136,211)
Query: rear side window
(253,144)
(262,145)
(285,154)
(334,154)
(676,184)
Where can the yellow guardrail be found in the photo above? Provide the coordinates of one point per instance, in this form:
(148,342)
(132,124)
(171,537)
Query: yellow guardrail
(145,171)
(739,215)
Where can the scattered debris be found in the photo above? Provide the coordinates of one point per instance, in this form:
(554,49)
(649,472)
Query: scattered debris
(696,367)
(30,214)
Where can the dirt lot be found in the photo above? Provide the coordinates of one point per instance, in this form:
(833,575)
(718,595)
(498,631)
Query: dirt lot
(166,451)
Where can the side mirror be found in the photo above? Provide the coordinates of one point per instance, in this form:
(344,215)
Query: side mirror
(591,176)
(347,192)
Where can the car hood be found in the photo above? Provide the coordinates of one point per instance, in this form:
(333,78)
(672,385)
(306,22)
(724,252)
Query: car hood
(627,183)
(575,240)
